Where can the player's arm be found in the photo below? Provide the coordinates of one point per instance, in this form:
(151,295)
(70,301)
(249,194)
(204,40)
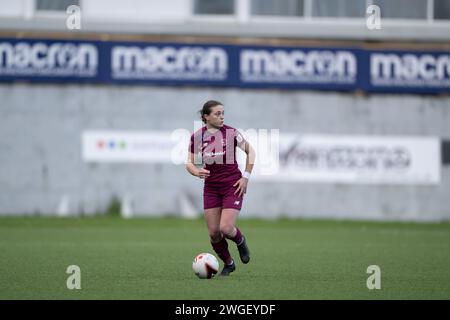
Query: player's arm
(249,163)
(202,173)
(251,156)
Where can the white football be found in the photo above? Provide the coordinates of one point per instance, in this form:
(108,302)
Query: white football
(205,265)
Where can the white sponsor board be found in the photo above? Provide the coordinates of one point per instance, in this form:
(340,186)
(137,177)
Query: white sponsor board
(132,146)
(288,157)
(355,159)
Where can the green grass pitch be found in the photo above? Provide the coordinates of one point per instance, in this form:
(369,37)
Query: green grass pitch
(291,259)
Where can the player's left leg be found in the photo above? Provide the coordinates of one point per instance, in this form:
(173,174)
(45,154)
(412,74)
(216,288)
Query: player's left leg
(229,230)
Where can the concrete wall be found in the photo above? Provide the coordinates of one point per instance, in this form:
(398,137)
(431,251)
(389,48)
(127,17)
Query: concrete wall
(42,170)
(177,17)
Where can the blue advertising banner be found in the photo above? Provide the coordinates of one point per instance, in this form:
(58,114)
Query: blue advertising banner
(337,69)
(50,60)
(305,68)
(168,63)
(406,71)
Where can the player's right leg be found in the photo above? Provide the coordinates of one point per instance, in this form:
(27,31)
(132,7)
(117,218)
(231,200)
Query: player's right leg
(218,241)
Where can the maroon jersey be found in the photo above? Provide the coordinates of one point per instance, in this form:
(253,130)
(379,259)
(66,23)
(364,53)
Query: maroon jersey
(218,153)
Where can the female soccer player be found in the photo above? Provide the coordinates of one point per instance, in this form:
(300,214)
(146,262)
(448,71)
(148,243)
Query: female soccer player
(224,186)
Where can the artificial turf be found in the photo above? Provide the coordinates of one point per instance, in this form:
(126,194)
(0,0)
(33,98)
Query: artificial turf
(290,259)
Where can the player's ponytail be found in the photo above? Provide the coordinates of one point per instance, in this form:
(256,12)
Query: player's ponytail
(206,109)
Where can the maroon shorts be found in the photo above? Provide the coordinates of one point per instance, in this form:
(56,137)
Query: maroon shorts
(221,197)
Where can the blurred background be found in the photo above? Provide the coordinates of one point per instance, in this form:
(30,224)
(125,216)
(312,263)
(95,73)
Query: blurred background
(92,97)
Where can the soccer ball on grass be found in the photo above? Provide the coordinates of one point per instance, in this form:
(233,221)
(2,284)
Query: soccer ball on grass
(205,265)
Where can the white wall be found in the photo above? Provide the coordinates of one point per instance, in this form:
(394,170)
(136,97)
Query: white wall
(136,10)
(115,10)
(174,17)
(14,8)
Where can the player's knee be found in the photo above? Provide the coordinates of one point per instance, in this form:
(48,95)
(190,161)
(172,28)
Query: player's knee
(215,234)
(227,228)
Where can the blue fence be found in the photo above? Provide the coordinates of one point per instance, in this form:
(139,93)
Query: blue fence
(319,68)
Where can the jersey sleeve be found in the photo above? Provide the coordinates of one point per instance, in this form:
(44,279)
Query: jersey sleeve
(195,142)
(191,144)
(239,138)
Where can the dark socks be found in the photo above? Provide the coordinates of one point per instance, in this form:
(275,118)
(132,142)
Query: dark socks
(237,238)
(221,248)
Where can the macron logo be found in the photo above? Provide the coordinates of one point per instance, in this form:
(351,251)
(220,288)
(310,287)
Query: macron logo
(236,203)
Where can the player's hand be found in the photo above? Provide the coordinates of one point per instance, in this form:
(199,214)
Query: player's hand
(241,186)
(203,173)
